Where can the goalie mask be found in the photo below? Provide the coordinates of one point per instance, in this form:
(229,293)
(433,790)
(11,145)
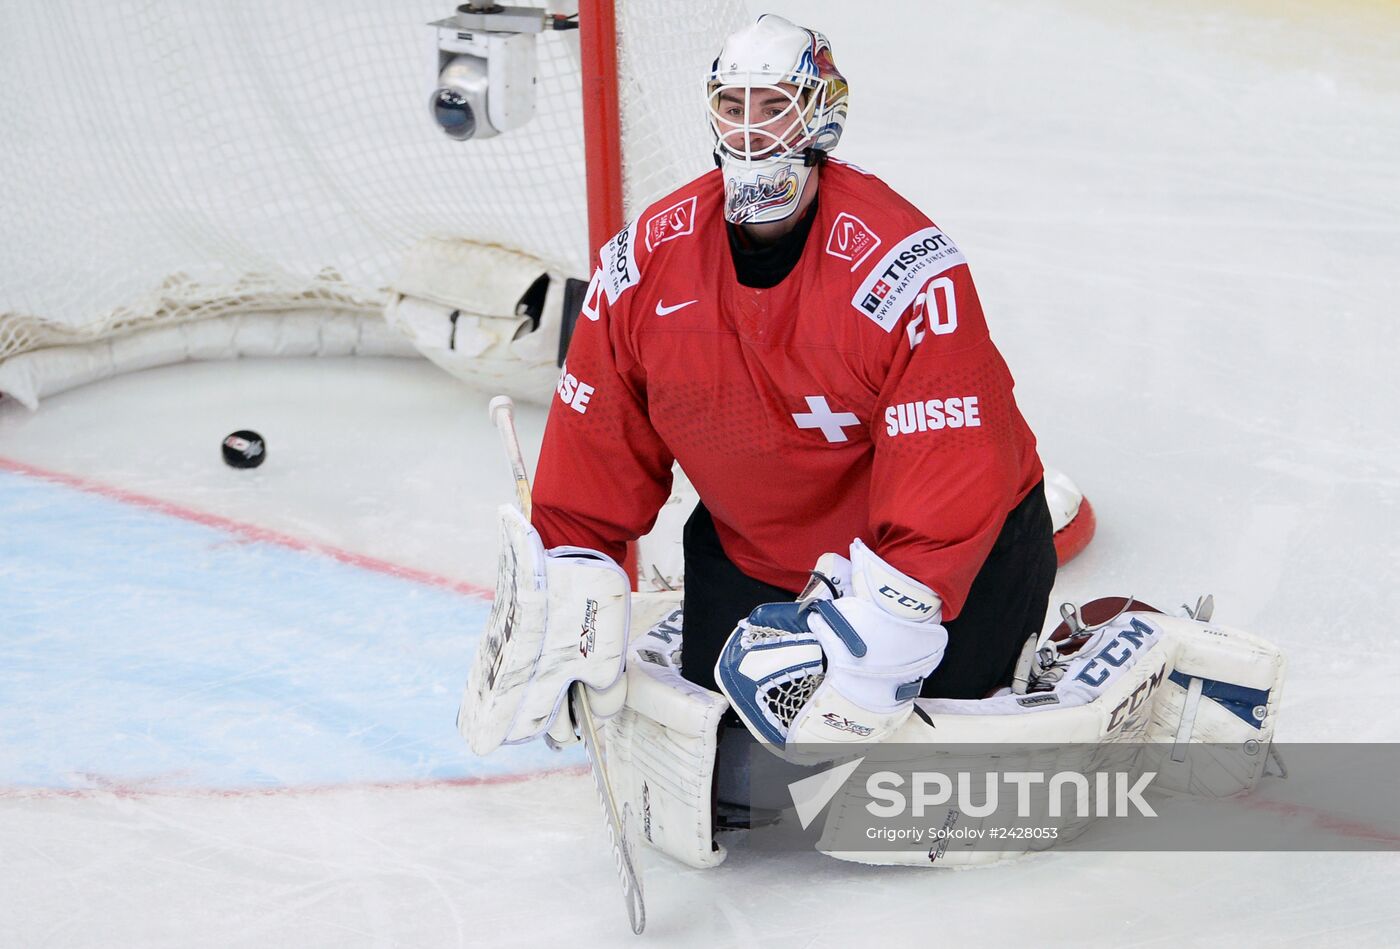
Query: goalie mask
(777,105)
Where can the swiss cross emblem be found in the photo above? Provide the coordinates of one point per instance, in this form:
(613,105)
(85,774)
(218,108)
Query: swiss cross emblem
(880,289)
(821,416)
(851,240)
(676,221)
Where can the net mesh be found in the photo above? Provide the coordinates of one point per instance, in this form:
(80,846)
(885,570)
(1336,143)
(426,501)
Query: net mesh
(788,693)
(166,161)
(786,699)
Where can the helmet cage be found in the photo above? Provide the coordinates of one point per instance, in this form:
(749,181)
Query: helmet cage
(813,89)
(758,119)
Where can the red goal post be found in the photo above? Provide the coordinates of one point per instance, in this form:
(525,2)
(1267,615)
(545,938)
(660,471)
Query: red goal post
(602,123)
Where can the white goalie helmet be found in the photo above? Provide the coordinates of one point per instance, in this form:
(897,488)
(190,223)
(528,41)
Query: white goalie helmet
(777,105)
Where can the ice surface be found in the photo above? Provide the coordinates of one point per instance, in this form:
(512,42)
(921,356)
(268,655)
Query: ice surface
(1184,222)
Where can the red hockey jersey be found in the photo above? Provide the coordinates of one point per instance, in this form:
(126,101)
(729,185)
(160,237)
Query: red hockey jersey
(860,397)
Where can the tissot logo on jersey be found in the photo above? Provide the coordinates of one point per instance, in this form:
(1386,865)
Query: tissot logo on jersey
(850,239)
(931,415)
(893,283)
(676,221)
(618,260)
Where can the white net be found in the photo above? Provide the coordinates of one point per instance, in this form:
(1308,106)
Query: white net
(164,161)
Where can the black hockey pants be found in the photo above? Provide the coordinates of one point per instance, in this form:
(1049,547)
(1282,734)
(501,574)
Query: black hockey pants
(1006,603)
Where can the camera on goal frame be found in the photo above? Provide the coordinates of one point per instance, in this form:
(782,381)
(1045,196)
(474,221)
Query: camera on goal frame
(487,68)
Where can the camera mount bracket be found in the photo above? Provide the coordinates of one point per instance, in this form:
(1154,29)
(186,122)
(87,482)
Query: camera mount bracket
(494,18)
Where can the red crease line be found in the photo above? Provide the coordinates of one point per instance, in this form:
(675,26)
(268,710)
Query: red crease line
(1341,826)
(139,791)
(247,531)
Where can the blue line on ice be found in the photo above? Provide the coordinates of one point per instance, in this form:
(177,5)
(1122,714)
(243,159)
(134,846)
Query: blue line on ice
(138,649)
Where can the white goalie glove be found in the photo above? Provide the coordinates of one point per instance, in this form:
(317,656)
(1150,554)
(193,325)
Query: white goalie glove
(559,617)
(834,668)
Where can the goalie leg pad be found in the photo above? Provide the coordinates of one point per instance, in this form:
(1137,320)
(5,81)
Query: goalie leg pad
(1193,702)
(1094,720)
(1214,718)
(558,618)
(662,748)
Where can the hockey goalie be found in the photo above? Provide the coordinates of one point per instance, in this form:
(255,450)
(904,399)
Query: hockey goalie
(811,349)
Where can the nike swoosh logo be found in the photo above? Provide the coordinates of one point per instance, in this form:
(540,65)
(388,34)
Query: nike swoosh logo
(663,310)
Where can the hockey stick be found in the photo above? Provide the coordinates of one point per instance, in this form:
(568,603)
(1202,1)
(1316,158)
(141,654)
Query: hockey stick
(623,844)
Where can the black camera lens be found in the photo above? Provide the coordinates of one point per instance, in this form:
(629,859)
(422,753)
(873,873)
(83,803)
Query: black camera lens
(454,113)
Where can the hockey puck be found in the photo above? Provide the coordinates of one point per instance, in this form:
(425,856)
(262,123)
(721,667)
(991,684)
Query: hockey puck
(244,449)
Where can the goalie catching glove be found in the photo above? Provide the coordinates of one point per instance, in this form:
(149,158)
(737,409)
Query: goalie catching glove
(832,667)
(559,617)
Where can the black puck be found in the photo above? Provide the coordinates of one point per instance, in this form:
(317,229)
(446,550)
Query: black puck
(244,449)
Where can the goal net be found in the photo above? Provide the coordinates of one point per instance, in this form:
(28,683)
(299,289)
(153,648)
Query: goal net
(168,165)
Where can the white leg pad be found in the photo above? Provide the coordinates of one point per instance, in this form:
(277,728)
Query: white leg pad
(662,744)
(1094,720)
(1222,700)
(1184,683)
